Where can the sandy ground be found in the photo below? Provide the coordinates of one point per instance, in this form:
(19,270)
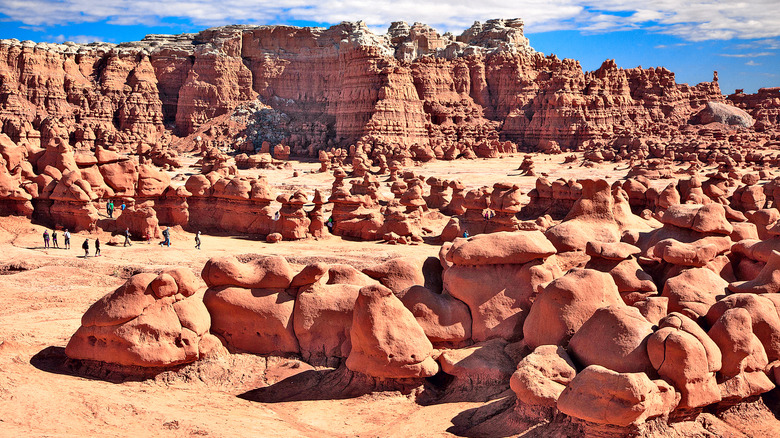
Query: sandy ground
(44,292)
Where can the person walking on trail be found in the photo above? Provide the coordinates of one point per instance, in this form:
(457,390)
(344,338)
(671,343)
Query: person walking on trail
(197,240)
(110,209)
(167,237)
(85,247)
(54,239)
(122,207)
(466,234)
(97,247)
(329,224)
(127,237)
(66,234)
(45,238)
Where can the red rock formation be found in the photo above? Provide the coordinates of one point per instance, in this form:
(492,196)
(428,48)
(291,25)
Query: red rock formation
(150,321)
(424,94)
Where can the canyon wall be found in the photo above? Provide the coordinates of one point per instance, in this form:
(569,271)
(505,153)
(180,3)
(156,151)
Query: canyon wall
(336,87)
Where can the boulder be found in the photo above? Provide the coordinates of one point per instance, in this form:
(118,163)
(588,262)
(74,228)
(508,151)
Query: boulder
(515,247)
(694,291)
(498,296)
(264,273)
(744,358)
(445,320)
(565,304)
(542,376)
(615,337)
(322,320)
(682,353)
(603,396)
(253,320)
(150,321)
(386,340)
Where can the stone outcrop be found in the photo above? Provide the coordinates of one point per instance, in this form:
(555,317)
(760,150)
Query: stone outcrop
(430,93)
(150,321)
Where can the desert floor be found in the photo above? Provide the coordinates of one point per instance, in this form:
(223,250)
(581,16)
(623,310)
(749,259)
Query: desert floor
(44,292)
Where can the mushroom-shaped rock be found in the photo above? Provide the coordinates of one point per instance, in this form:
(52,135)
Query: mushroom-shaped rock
(387,341)
(683,354)
(150,321)
(708,218)
(253,320)
(322,321)
(507,247)
(763,315)
(543,375)
(604,396)
(697,253)
(565,304)
(694,291)
(767,280)
(591,218)
(445,320)
(744,358)
(268,272)
(615,337)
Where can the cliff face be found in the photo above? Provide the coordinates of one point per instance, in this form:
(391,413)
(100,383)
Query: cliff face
(337,86)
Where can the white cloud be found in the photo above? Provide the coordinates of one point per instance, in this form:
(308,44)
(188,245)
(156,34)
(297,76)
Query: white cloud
(746,55)
(79,39)
(693,20)
(752,63)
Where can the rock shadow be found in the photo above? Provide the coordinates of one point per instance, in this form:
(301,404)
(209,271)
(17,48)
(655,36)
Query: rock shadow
(53,360)
(327,384)
(499,418)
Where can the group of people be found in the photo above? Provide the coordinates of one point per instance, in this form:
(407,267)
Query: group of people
(50,240)
(85,247)
(54,243)
(110,208)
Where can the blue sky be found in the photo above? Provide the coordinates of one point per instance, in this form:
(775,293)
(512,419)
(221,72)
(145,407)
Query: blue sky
(692,38)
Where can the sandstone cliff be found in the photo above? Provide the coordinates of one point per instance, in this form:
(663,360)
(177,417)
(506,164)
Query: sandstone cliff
(335,87)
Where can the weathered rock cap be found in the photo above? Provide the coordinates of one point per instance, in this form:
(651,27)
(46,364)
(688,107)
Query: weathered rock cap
(507,247)
(709,218)
(611,250)
(268,272)
(603,396)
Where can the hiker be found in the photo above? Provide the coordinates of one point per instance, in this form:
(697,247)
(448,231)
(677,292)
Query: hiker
(122,207)
(466,234)
(110,209)
(67,238)
(85,247)
(54,239)
(45,238)
(97,247)
(329,223)
(487,215)
(127,237)
(167,237)
(197,240)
